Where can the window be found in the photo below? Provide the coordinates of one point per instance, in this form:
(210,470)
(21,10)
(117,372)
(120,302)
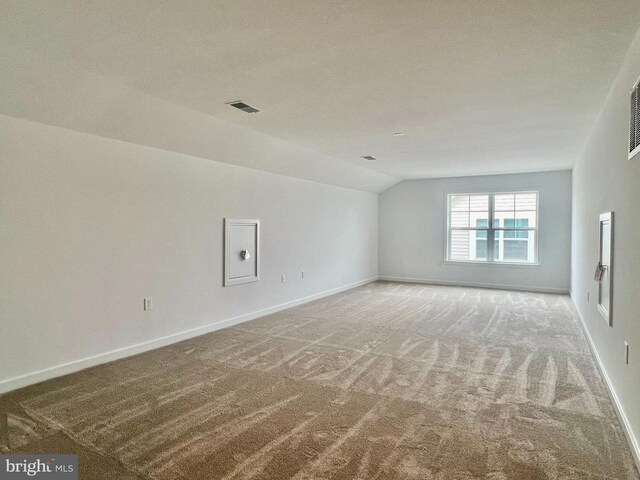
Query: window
(493,227)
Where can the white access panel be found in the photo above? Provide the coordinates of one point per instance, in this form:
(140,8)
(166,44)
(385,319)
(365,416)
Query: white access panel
(241,251)
(605,266)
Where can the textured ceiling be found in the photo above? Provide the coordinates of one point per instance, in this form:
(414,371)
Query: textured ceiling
(476,86)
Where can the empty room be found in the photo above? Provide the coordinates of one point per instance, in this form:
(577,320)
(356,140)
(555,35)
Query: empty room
(385,239)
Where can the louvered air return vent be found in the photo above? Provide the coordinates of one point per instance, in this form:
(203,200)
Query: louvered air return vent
(243,106)
(634,124)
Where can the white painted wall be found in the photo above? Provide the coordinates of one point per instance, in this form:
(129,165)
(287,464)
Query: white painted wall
(90,225)
(413,224)
(605,180)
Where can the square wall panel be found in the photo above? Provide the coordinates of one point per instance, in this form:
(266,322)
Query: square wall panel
(241,255)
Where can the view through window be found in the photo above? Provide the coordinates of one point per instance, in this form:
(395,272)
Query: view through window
(493,227)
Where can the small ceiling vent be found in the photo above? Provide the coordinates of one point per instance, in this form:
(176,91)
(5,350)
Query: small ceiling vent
(369,157)
(243,106)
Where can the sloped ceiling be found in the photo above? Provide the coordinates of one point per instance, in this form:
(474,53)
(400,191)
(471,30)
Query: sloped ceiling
(476,87)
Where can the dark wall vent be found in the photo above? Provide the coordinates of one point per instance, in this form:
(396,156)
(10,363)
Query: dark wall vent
(634,125)
(244,107)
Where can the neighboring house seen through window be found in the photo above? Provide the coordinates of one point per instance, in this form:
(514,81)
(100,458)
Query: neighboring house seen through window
(494,227)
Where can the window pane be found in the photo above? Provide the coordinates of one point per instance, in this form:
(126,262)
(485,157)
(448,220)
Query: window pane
(527,219)
(527,208)
(502,219)
(466,210)
(515,209)
(482,223)
(481,217)
(459,219)
(505,202)
(468,245)
(459,245)
(515,250)
(459,203)
(514,246)
(481,249)
(526,202)
(479,203)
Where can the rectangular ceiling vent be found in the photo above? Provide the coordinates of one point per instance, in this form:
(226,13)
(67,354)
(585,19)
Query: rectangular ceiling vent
(244,107)
(369,157)
(634,125)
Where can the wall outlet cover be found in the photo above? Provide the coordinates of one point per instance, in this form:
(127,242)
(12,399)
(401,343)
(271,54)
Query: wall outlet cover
(626,353)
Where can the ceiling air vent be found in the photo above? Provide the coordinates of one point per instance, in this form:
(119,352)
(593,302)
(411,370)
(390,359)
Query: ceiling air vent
(369,157)
(243,106)
(634,124)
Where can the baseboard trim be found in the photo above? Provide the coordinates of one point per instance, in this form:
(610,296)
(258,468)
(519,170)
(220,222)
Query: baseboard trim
(617,404)
(563,291)
(77,365)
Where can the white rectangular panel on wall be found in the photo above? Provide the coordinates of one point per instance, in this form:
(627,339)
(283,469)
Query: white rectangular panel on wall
(605,266)
(241,251)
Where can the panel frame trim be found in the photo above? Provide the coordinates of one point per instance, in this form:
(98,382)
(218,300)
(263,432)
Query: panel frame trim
(232,222)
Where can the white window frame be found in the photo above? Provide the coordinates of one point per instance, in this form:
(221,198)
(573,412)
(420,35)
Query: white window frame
(491,229)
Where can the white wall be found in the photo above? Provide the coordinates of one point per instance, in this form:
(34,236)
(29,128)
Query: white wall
(89,226)
(605,180)
(413,232)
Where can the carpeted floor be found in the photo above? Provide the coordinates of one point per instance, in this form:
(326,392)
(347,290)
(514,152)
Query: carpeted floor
(388,380)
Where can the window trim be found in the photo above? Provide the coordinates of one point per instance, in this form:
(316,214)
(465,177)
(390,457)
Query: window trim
(490,230)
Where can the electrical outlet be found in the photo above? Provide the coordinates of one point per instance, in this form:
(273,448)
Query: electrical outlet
(626,353)
(148,304)
(283,277)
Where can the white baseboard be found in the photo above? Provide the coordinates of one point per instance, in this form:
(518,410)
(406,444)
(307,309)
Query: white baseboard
(77,365)
(617,404)
(563,291)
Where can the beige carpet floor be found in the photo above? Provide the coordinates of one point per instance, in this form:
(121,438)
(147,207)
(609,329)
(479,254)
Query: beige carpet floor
(385,381)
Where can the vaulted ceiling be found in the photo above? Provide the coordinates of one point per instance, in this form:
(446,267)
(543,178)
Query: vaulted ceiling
(475,87)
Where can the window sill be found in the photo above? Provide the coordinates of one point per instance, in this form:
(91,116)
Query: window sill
(492,264)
